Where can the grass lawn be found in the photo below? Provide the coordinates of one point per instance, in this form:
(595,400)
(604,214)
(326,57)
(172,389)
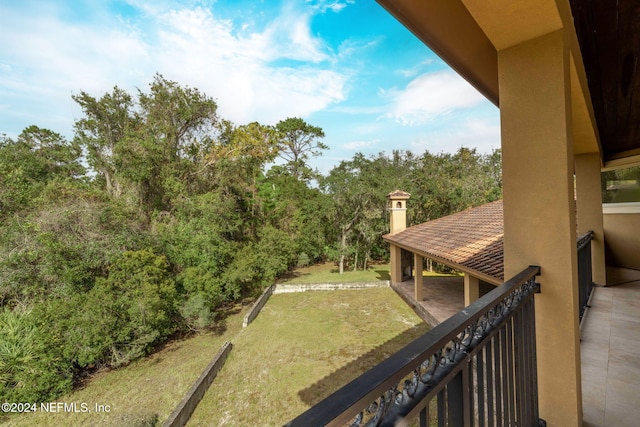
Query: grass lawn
(328,273)
(300,349)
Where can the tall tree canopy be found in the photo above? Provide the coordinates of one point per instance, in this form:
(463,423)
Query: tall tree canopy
(145,148)
(31,162)
(298,141)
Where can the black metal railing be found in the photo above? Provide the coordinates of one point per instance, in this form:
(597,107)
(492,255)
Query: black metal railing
(585,277)
(477,368)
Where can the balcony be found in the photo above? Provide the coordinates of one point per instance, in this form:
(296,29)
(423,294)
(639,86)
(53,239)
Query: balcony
(478,367)
(558,73)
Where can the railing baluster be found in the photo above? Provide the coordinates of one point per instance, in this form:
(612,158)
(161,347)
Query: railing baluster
(455,398)
(524,361)
(499,379)
(528,348)
(481,387)
(505,375)
(519,367)
(424,417)
(467,393)
(508,353)
(585,275)
(490,380)
(534,364)
(441,408)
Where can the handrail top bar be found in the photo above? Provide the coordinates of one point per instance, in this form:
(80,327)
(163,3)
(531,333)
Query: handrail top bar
(586,234)
(364,389)
(585,238)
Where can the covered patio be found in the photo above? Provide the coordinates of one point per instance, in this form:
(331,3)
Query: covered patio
(470,242)
(443,296)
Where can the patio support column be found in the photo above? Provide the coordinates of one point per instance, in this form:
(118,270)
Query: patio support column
(589,206)
(395,264)
(417,278)
(539,210)
(471,289)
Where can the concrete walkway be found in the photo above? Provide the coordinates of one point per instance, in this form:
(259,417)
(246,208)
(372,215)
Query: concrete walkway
(610,352)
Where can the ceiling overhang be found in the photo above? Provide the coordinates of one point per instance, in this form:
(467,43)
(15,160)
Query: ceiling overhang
(464,47)
(603,39)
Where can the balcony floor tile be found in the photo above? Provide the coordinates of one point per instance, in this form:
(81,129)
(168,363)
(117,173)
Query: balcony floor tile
(610,352)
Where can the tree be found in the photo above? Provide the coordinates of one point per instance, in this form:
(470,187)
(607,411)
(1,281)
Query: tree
(290,205)
(108,121)
(356,198)
(298,141)
(147,149)
(59,157)
(177,127)
(28,164)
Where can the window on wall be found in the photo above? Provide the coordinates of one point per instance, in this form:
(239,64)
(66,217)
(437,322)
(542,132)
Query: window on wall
(621,185)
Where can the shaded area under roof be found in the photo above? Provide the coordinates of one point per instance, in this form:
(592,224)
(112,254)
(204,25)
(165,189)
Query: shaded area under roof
(471,241)
(608,33)
(609,37)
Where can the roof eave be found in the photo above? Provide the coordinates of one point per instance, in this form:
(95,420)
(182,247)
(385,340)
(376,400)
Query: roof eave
(475,273)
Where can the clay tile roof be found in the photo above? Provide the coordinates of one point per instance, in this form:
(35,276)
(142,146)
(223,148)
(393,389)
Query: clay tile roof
(471,240)
(398,194)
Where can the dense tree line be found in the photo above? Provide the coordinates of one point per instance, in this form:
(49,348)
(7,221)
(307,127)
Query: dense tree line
(159,212)
(621,185)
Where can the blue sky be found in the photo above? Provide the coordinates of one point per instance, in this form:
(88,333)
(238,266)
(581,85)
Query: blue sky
(345,65)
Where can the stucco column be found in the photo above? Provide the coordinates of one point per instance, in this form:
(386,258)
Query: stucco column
(471,289)
(397,201)
(417,278)
(589,205)
(539,213)
(395,264)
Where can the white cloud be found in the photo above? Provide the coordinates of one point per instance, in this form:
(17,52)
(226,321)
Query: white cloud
(473,133)
(332,5)
(357,110)
(247,73)
(357,145)
(429,96)
(201,51)
(415,70)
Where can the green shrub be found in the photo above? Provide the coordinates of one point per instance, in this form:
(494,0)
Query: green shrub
(122,317)
(197,313)
(31,370)
(303,260)
(138,301)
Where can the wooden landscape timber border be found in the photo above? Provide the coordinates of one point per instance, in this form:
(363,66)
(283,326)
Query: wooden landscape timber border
(183,411)
(257,306)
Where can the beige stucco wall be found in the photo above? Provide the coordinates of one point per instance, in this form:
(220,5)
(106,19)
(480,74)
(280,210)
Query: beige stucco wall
(398,219)
(622,239)
(589,210)
(539,210)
